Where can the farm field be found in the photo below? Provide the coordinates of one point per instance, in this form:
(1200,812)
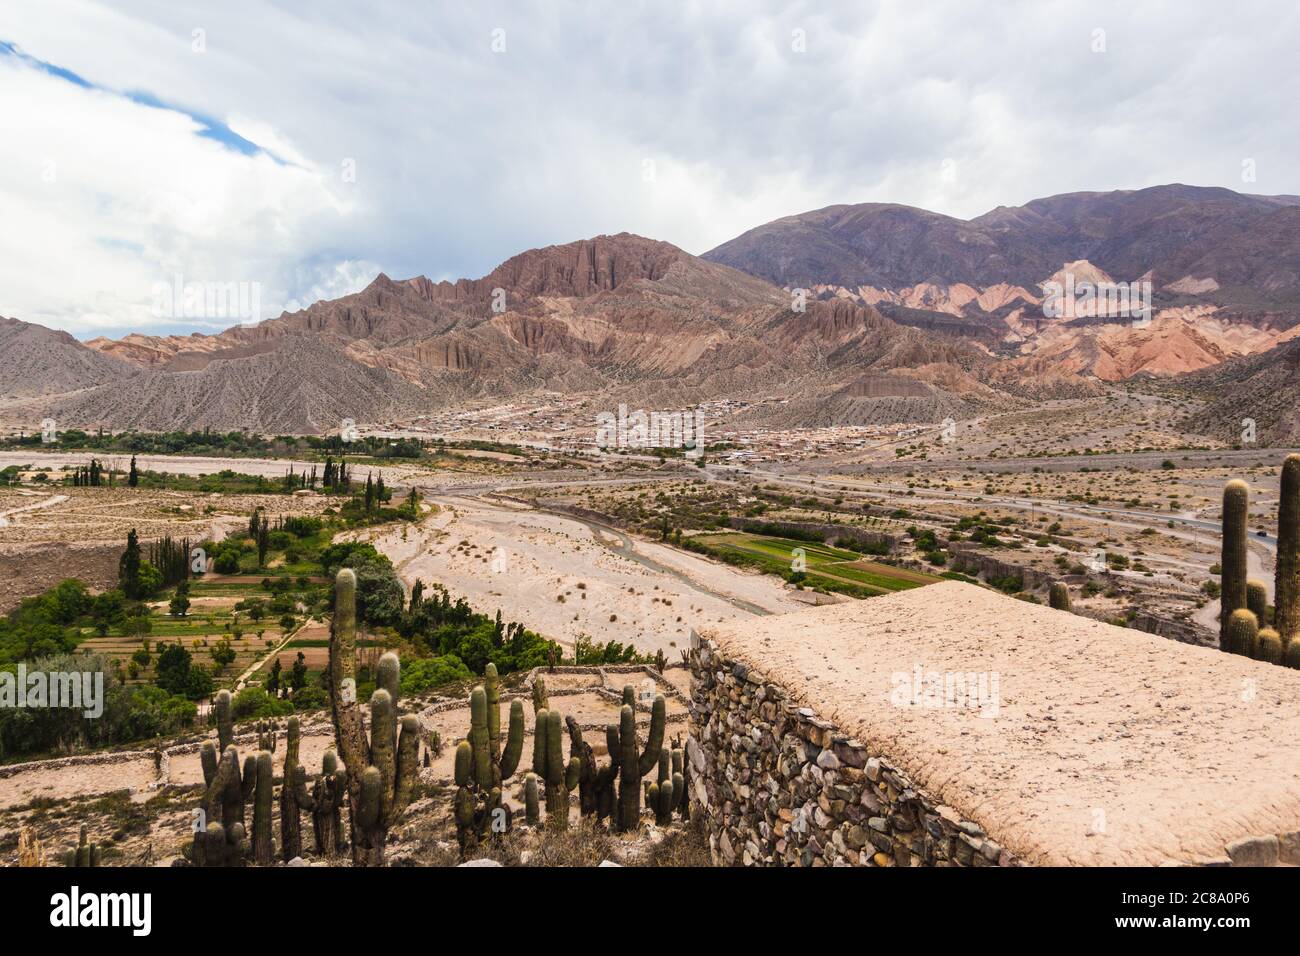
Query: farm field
(824,565)
(214,616)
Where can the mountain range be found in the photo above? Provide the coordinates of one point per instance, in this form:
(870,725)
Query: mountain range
(850,314)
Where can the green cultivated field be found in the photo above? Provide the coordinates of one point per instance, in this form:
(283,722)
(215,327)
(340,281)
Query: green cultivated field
(835,569)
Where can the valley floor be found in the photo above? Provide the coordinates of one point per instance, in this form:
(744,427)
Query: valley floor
(565,577)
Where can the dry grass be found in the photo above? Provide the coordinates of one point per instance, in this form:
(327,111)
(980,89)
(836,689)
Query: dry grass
(685,846)
(587,843)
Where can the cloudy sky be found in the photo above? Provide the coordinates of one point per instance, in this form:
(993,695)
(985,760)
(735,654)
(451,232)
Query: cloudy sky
(307,146)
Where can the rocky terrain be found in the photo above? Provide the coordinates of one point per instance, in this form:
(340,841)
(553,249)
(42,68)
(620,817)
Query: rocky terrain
(908,316)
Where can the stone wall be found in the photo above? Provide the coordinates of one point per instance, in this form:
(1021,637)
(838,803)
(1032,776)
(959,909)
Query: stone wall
(779,786)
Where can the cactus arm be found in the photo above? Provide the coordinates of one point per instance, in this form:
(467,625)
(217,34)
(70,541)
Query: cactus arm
(408,766)
(383,723)
(539,743)
(514,740)
(572,773)
(614,748)
(464,763)
(208,761)
(654,743)
(248,782)
(388,674)
(370,804)
(225,726)
(492,689)
(300,792)
(464,816)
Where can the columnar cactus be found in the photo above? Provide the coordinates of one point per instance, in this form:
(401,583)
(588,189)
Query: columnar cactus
(531,812)
(482,766)
(682,766)
(634,766)
(1242,634)
(263,847)
(540,699)
(219,833)
(1059,596)
(325,803)
(1286,589)
(381,769)
(225,726)
(667,792)
(266,734)
(290,807)
(473,808)
(1236,503)
(87,853)
(548,763)
(597,792)
(1257,600)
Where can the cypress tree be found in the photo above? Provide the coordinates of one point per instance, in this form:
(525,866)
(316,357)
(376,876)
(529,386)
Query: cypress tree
(128,572)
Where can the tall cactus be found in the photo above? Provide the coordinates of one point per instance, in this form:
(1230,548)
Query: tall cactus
(473,808)
(219,833)
(482,766)
(324,802)
(263,773)
(1236,504)
(549,765)
(597,793)
(381,769)
(290,807)
(1286,589)
(225,726)
(1242,634)
(1059,596)
(634,766)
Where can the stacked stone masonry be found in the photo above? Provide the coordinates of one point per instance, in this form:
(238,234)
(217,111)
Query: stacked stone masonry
(778,786)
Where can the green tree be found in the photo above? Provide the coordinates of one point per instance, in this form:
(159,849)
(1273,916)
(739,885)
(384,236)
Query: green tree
(223,655)
(172,673)
(179,605)
(128,570)
(298,673)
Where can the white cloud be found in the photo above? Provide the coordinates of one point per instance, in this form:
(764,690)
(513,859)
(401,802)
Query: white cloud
(464,157)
